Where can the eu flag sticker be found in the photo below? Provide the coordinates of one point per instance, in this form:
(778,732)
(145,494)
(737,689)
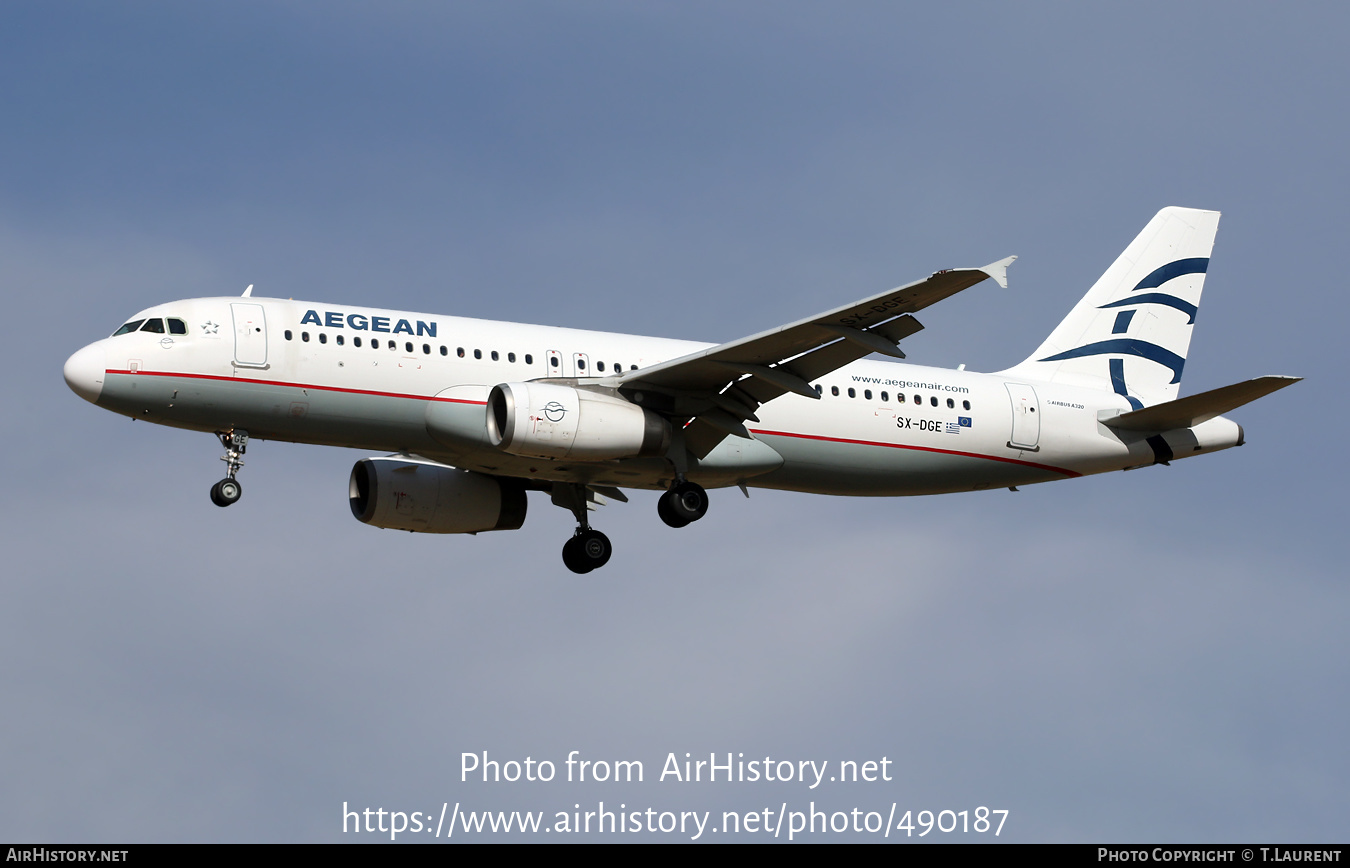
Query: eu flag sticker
(964,421)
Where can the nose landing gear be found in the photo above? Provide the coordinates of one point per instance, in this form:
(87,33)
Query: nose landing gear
(228,490)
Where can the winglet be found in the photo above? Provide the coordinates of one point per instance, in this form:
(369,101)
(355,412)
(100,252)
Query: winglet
(999,270)
(248,293)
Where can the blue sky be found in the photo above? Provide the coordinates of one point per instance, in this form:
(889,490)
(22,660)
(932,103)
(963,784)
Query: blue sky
(1150,656)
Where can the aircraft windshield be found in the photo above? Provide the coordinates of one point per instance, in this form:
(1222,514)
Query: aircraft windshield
(154,326)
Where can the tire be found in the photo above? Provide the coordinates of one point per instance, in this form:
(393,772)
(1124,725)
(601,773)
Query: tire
(663,509)
(573,558)
(226,492)
(595,549)
(687,502)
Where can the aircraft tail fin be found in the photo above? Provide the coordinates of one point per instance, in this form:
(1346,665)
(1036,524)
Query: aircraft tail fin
(1131,332)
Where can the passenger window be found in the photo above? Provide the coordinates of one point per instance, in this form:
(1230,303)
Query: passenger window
(288,334)
(511,357)
(478,354)
(834,390)
(356,342)
(867,393)
(965,404)
(177,327)
(323,337)
(129,327)
(393,345)
(529,359)
(426,349)
(581,364)
(444,350)
(899,397)
(885,398)
(459,351)
(934,400)
(553,360)
(341,340)
(851,393)
(494,355)
(304,336)
(918,399)
(819,390)
(155,325)
(632,367)
(951,405)
(407,347)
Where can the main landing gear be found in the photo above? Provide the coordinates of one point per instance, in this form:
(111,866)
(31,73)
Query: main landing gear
(683,503)
(228,490)
(588,549)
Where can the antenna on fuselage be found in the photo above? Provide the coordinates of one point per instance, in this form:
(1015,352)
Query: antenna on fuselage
(248,292)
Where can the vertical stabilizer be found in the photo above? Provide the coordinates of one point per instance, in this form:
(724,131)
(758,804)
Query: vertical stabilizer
(1131,332)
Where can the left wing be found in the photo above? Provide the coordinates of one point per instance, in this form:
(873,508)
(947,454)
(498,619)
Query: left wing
(720,388)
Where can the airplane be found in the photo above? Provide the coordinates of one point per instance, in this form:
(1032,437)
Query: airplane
(476,413)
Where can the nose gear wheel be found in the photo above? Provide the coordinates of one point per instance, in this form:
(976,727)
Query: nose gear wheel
(228,490)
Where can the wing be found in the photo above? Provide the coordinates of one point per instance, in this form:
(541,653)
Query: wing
(720,388)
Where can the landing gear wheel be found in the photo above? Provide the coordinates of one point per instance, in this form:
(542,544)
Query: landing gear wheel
(226,492)
(663,509)
(685,502)
(588,550)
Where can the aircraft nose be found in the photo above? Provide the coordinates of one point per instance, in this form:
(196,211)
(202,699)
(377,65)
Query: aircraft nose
(84,372)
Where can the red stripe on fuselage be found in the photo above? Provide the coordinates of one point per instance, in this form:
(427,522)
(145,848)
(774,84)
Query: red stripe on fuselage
(296,386)
(1069,473)
(1060,470)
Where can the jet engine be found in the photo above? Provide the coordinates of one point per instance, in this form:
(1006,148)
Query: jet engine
(427,497)
(544,420)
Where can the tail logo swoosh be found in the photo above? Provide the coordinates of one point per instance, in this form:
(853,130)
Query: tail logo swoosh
(1176,268)
(1126,347)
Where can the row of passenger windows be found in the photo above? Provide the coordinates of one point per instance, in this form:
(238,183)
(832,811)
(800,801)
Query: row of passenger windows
(899,398)
(154,326)
(409,347)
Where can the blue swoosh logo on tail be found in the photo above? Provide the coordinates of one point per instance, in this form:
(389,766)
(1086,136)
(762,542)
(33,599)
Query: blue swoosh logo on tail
(1198,265)
(1126,347)
(1159,298)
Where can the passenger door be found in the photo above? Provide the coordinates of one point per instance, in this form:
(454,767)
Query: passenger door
(250,335)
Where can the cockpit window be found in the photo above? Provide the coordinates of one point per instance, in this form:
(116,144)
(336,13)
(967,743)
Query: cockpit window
(177,327)
(155,325)
(129,327)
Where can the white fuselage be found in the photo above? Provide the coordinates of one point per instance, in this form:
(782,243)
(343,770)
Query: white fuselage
(416,383)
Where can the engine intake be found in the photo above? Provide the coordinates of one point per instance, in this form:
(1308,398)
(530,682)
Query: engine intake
(426,497)
(545,420)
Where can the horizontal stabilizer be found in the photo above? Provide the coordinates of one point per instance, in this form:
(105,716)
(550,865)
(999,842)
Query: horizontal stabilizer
(1191,411)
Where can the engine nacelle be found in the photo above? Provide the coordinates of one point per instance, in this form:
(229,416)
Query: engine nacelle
(427,497)
(544,420)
